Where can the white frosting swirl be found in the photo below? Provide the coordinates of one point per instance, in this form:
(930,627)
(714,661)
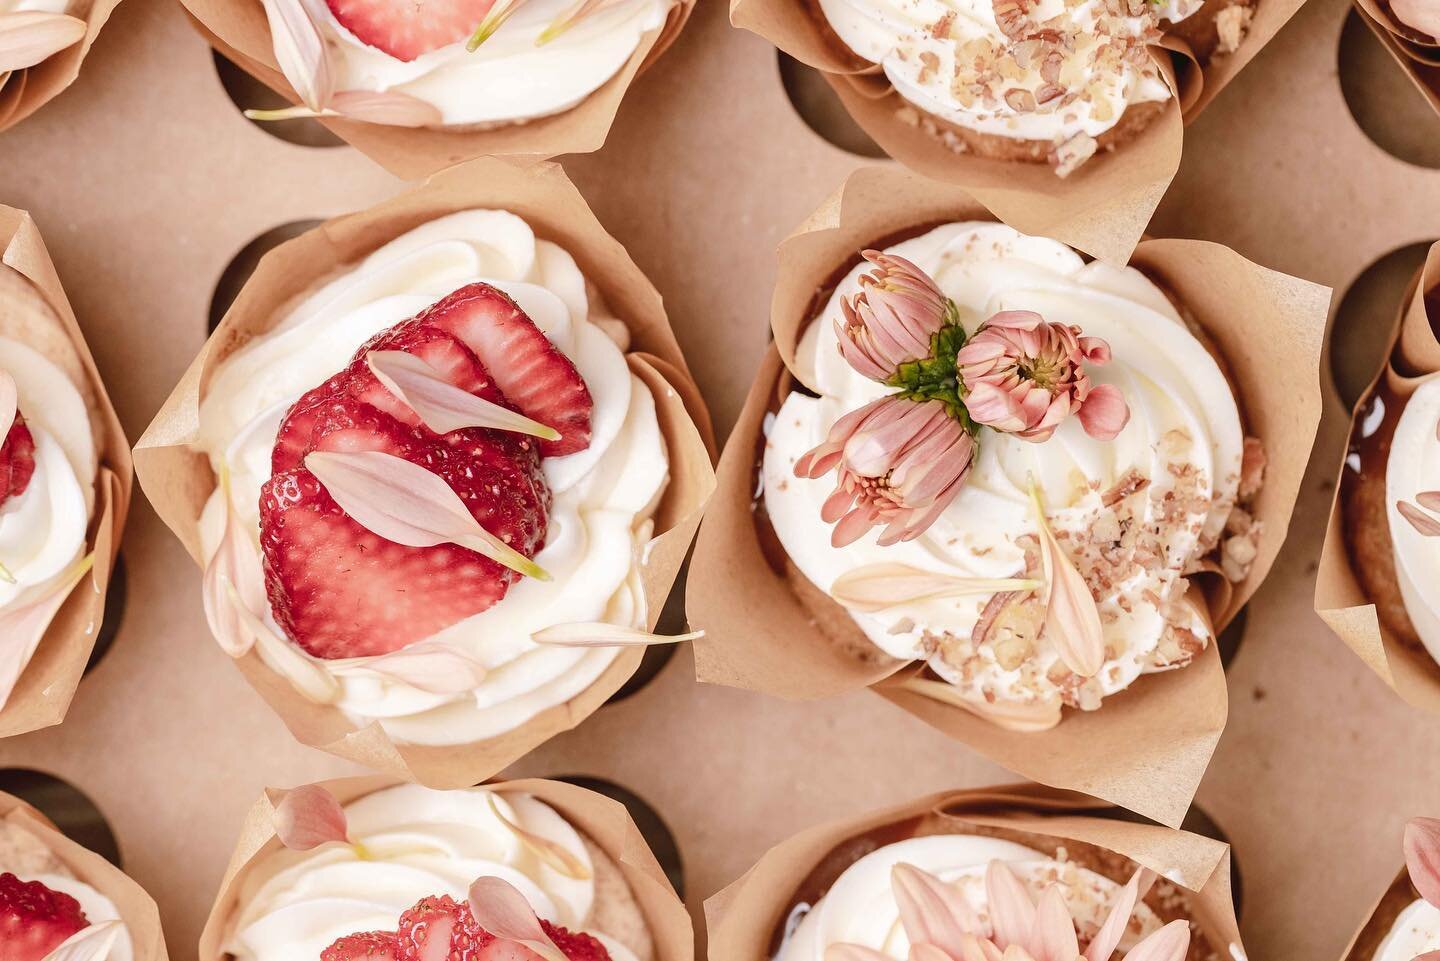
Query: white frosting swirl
(509,78)
(97,908)
(1415,932)
(417,842)
(932,66)
(603,496)
(43,531)
(1183,421)
(860,906)
(1413,467)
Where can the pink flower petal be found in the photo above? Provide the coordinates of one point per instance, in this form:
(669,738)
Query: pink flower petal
(1426,525)
(1012,913)
(503,911)
(931,911)
(390,108)
(1107,939)
(23,626)
(1170,943)
(556,856)
(301,51)
(430,666)
(308,817)
(441,405)
(1422,857)
(600,634)
(841,951)
(232,579)
(1104,413)
(1072,619)
(1053,938)
(91,943)
(28,37)
(9,404)
(1015,320)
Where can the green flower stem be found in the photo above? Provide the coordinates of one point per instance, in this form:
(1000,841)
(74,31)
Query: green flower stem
(935,378)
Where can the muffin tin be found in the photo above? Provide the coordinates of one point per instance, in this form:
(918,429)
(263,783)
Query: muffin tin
(147,182)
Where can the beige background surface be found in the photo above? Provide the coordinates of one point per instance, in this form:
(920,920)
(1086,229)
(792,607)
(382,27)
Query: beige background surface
(146,181)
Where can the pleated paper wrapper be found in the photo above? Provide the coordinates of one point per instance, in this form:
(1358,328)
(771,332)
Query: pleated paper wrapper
(1417,54)
(23,92)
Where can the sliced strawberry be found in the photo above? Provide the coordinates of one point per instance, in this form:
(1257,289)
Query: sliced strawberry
(371,946)
(575,945)
(441,350)
(339,590)
(440,929)
(533,374)
(17,460)
(34,920)
(405,29)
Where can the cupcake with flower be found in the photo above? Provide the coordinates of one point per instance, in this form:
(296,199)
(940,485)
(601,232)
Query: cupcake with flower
(449,471)
(1003,483)
(61,902)
(1018,873)
(1405,924)
(364,868)
(64,488)
(422,88)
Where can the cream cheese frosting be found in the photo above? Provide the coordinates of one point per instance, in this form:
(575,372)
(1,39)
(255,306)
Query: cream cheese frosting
(1413,467)
(416,842)
(1180,453)
(509,78)
(860,908)
(43,531)
(97,908)
(1415,932)
(603,496)
(954,60)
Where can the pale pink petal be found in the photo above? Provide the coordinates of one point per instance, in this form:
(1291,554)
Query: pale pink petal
(931,911)
(232,579)
(1426,525)
(1012,913)
(9,404)
(600,634)
(1422,857)
(1170,943)
(1026,320)
(1107,939)
(430,666)
(842,951)
(23,625)
(556,856)
(28,37)
(1072,619)
(995,408)
(92,943)
(1104,413)
(392,108)
(407,504)
(308,817)
(1054,937)
(301,51)
(439,404)
(503,911)
(926,952)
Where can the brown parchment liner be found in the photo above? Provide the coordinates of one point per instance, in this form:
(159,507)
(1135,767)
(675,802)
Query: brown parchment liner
(238,30)
(741,919)
(178,478)
(45,688)
(606,822)
(1102,208)
(1417,54)
(1397,897)
(30,89)
(136,908)
(1146,748)
(1339,598)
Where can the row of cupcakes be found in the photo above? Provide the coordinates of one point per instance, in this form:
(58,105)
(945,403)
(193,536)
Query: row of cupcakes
(418,572)
(365,869)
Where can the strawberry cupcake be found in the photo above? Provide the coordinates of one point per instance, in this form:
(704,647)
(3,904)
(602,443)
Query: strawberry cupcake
(1405,925)
(58,498)
(949,878)
(442,477)
(365,878)
(59,902)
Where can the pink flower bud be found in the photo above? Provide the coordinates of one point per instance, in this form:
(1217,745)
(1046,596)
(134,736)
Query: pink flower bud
(1024,376)
(890,322)
(899,464)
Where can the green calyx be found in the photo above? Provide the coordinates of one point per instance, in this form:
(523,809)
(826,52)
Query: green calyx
(935,377)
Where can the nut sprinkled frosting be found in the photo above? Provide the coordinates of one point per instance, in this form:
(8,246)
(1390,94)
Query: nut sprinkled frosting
(1057,569)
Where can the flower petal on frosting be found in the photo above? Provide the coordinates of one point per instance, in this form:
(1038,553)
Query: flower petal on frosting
(440,404)
(22,627)
(1012,913)
(90,943)
(391,108)
(1072,620)
(307,677)
(1011,715)
(407,504)
(876,587)
(1421,521)
(1430,500)
(430,666)
(308,817)
(558,857)
(232,577)
(1104,412)
(31,36)
(1107,939)
(1053,937)
(844,951)
(1422,857)
(1170,943)
(9,403)
(301,51)
(503,911)
(600,634)
(931,911)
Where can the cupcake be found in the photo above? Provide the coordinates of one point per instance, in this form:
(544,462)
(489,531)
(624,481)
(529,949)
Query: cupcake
(421,93)
(330,880)
(1381,540)
(439,470)
(60,902)
(1001,478)
(980,874)
(42,44)
(1405,925)
(64,487)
